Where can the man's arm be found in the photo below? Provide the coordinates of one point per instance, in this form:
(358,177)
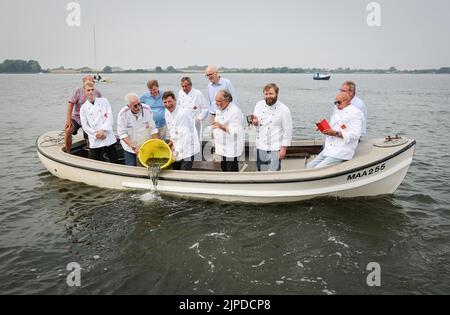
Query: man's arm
(287,133)
(69,115)
(108,121)
(204,108)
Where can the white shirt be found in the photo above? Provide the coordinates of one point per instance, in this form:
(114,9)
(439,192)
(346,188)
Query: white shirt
(230,144)
(194,101)
(95,118)
(181,127)
(359,104)
(349,121)
(139,128)
(275,126)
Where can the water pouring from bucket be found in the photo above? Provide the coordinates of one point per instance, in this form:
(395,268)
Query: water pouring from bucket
(155,155)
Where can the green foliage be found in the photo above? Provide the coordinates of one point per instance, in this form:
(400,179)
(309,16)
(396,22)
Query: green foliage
(107,69)
(20,66)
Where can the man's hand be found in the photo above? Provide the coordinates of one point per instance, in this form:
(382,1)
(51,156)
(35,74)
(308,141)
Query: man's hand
(101,135)
(137,148)
(330,132)
(217,125)
(68,125)
(282,153)
(255,120)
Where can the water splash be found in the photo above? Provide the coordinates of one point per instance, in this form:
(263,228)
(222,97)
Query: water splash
(154,169)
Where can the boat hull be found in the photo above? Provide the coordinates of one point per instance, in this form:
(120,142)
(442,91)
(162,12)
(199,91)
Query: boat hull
(379,177)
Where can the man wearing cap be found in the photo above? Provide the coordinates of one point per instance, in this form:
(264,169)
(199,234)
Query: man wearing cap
(135,125)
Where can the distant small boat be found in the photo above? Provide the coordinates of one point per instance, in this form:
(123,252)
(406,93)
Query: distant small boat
(319,76)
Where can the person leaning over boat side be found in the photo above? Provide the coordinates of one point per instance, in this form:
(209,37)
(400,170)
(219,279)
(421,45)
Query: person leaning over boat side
(349,87)
(274,122)
(73,122)
(216,84)
(97,121)
(228,130)
(342,140)
(183,135)
(135,125)
(153,98)
(192,99)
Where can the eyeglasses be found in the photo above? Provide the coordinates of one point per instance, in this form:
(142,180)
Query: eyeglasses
(210,74)
(344,91)
(337,103)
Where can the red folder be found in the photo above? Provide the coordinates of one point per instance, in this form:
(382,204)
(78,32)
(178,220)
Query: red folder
(323,125)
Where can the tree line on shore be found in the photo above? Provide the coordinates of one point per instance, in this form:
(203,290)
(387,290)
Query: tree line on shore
(32,66)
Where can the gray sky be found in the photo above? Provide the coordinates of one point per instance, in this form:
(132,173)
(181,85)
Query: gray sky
(241,33)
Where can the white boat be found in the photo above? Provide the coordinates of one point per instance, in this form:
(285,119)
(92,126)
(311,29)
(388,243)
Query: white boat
(378,168)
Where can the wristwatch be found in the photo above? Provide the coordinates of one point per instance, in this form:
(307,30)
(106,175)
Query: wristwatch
(338,134)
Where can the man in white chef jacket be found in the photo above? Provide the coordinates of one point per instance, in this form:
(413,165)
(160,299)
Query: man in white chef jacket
(183,135)
(135,125)
(342,139)
(192,99)
(228,130)
(349,87)
(274,122)
(97,121)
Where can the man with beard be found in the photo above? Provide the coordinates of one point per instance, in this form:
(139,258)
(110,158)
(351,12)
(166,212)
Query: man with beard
(274,122)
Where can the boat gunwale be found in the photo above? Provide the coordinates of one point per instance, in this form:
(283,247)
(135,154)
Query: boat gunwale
(224,181)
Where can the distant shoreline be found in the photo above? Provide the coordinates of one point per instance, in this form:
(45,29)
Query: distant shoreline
(225,72)
(32,66)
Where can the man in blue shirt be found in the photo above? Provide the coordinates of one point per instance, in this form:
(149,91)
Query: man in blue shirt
(216,84)
(153,98)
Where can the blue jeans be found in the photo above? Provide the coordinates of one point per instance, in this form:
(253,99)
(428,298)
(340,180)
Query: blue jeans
(130,158)
(322,161)
(268,161)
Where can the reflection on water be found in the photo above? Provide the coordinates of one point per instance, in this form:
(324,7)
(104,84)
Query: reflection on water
(134,242)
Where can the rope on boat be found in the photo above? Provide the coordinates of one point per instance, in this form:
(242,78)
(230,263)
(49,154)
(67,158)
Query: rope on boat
(53,141)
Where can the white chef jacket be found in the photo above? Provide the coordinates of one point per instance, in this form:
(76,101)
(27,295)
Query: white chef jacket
(230,144)
(181,127)
(359,104)
(139,128)
(275,126)
(96,117)
(349,121)
(193,99)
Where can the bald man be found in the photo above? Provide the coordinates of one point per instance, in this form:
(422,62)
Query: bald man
(216,84)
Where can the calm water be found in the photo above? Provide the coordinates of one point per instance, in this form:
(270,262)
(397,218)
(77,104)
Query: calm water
(149,244)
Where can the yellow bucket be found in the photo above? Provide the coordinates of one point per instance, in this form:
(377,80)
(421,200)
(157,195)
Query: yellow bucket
(155,149)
